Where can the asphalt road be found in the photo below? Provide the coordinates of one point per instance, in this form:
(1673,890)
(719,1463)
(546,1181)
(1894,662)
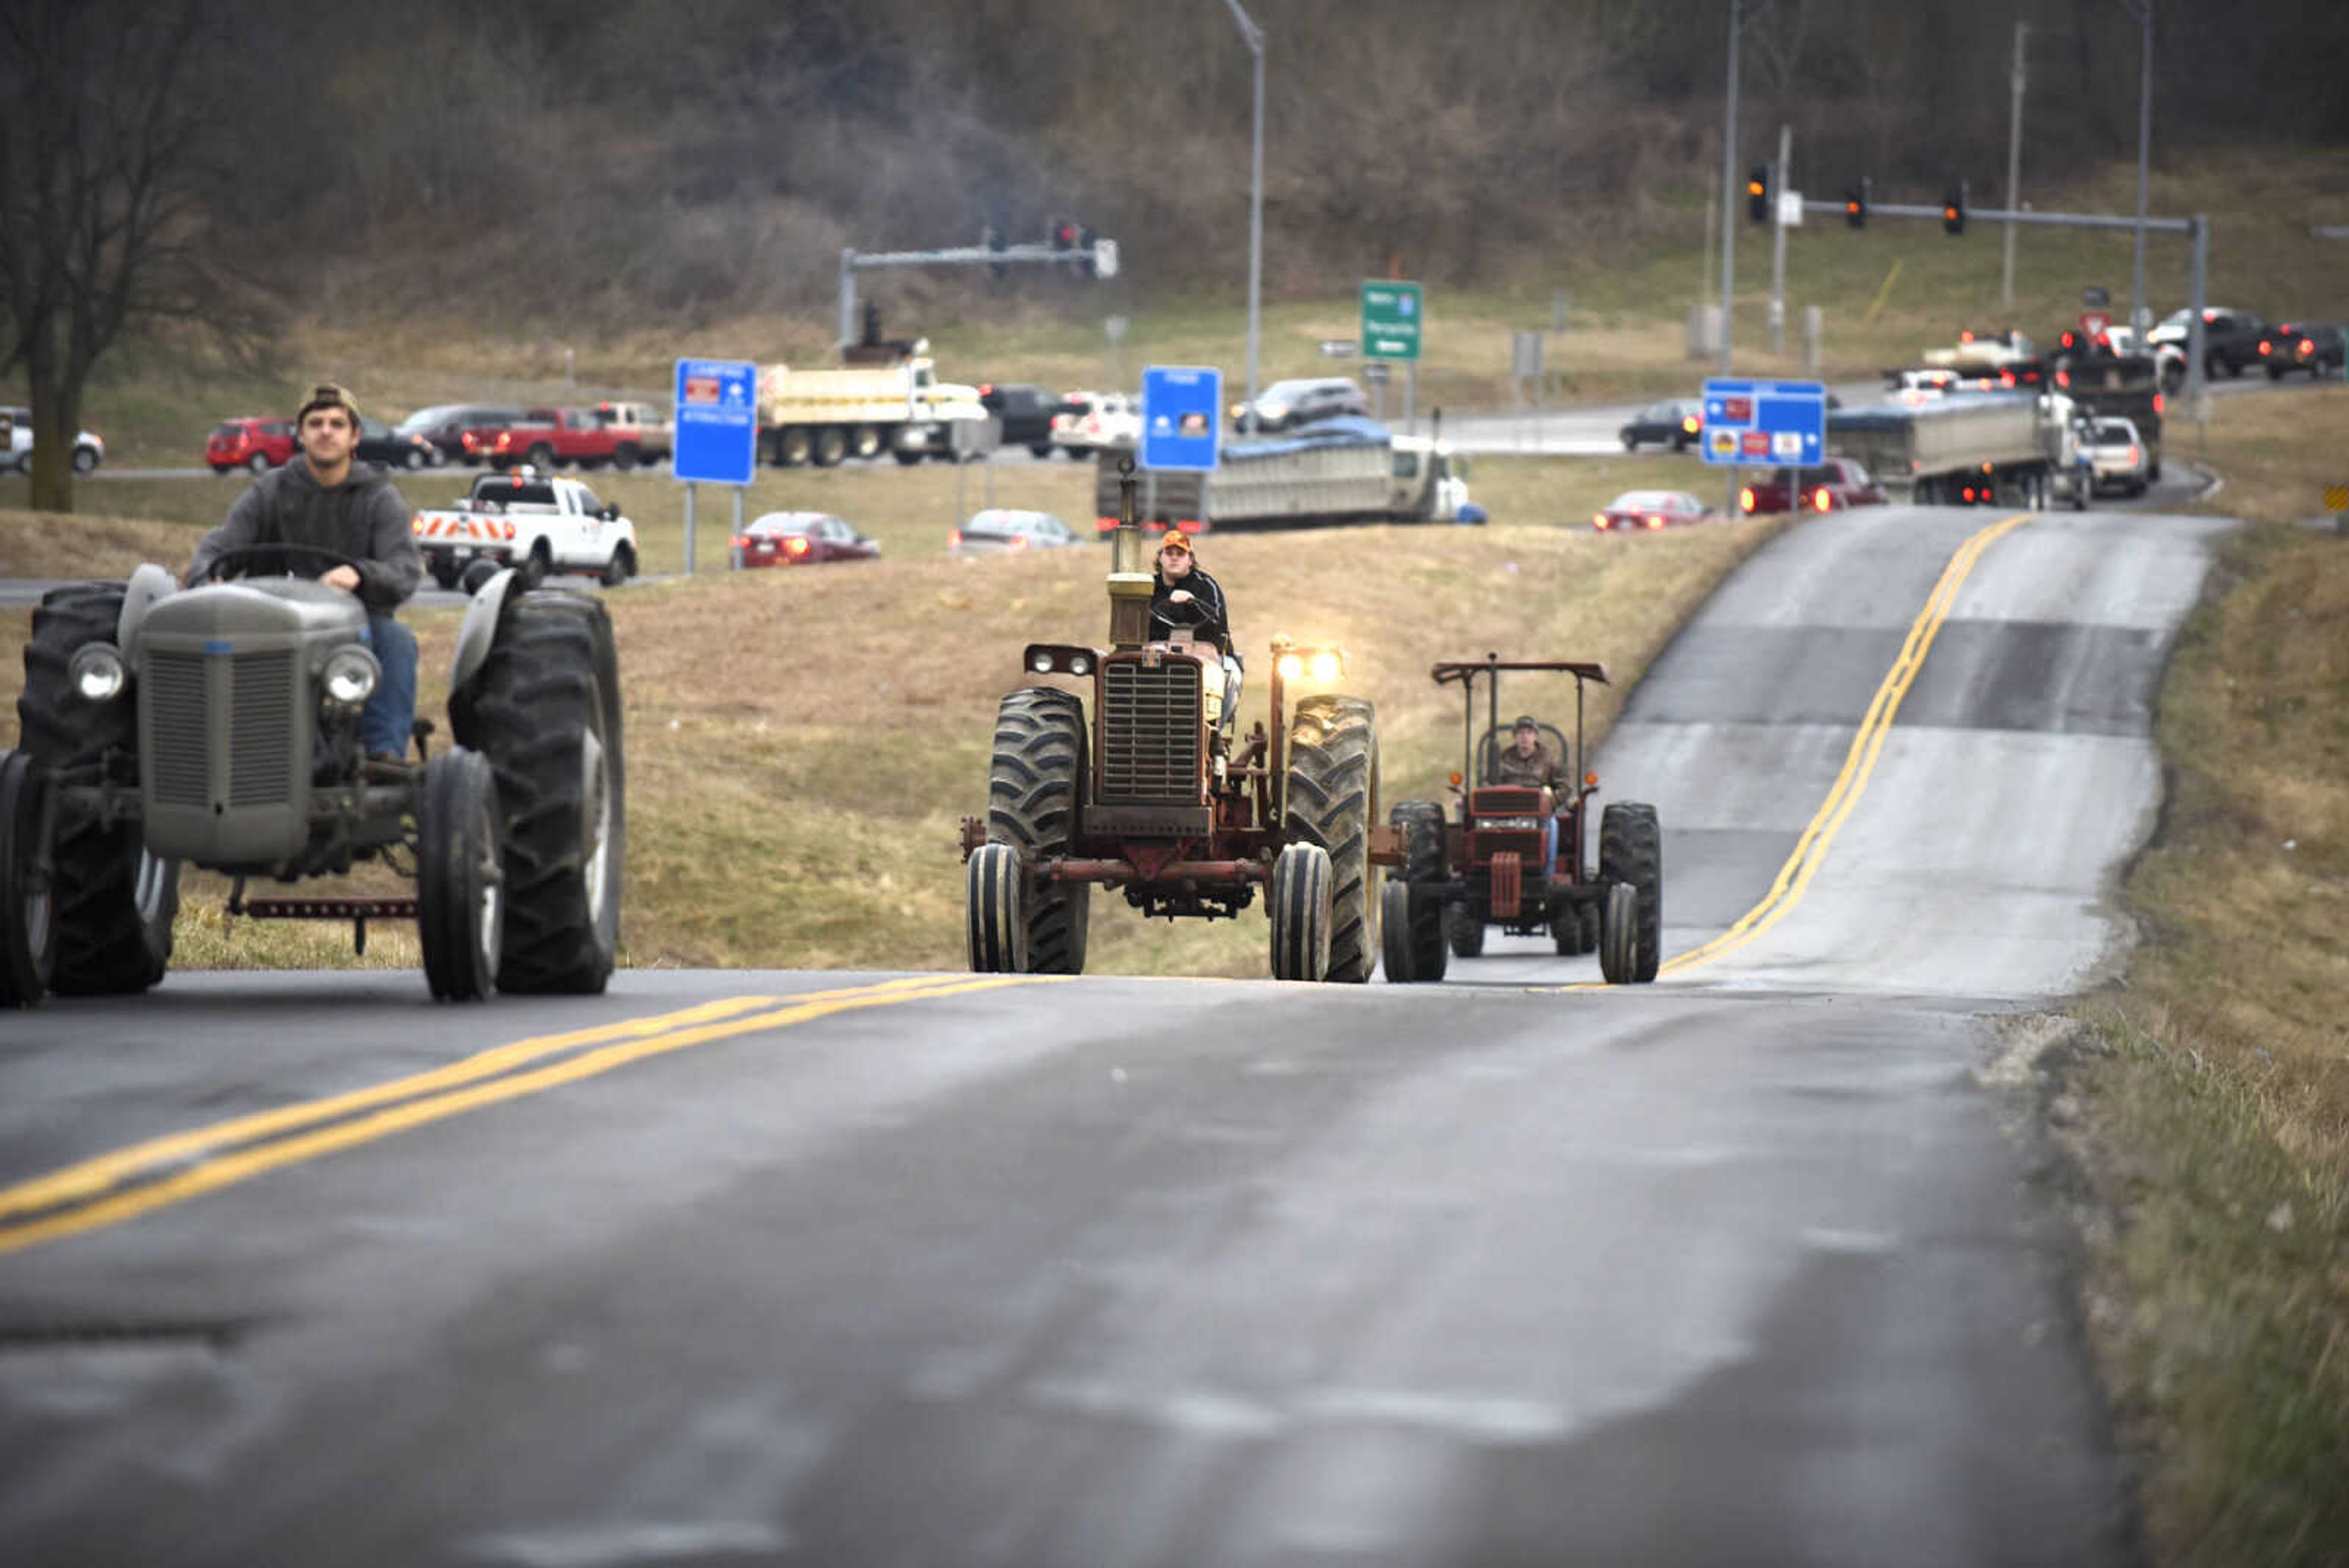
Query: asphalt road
(1747,1266)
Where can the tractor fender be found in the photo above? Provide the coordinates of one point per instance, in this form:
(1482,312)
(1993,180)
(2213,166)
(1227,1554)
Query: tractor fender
(148,584)
(479,630)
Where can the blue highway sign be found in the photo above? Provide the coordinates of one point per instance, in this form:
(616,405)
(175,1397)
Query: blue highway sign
(717,419)
(1182,414)
(1765,424)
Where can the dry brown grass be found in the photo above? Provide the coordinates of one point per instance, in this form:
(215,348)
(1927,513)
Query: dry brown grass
(2277,455)
(2214,1107)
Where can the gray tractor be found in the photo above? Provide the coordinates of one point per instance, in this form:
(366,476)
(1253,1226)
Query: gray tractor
(217,726)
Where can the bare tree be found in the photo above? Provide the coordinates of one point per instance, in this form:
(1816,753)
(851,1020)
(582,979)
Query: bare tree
(100,179)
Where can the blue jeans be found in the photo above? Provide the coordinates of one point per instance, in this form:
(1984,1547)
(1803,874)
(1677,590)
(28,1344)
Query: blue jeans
(386,721)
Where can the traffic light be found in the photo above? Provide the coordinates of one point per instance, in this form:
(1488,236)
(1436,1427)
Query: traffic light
(1854,205)
(992,238)
(1757,192)
(1953,208)
(1064,236)
(1085,252)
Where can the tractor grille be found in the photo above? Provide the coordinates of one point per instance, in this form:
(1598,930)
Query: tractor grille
(1150,731)
(261,729)
(178,771)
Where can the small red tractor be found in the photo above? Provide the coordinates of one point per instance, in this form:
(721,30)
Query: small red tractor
(1516,861)
(1152,795)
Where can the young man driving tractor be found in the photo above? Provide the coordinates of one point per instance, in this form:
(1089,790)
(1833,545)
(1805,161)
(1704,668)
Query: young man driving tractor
(328,504)
(1529,762)
(1184,596)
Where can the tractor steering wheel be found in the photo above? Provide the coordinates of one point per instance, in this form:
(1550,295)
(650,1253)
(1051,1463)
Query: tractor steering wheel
(239,561)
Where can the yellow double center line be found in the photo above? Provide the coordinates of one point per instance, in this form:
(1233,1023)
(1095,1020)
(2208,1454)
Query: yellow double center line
(1793,879)
(131,1181)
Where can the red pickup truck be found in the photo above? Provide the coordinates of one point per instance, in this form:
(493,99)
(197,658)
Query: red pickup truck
(545,437)
(1835,483)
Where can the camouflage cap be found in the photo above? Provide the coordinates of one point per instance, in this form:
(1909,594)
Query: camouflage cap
(1527,722)
(327,395)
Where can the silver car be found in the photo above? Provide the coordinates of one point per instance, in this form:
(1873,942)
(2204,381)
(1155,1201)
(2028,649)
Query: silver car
(999,531)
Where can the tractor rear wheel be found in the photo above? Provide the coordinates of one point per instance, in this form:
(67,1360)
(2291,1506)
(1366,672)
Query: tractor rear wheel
(1618,935)
(25,923)
(1333,793)
(1464,929)
(1411,927)
(1299,905)
(546,711)
(111,903)
(1035,786)
(460,886)
(1632,849)
(996,923)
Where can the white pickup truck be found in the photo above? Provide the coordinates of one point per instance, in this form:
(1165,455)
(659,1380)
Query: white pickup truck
(535,522)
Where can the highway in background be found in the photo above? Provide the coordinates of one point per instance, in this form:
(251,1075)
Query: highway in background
(1752,1265)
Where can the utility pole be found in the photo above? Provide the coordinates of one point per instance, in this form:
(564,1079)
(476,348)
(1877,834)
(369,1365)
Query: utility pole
(2144,9)
(2015,166)
(1253,37)
(1778,188)
(1729,191)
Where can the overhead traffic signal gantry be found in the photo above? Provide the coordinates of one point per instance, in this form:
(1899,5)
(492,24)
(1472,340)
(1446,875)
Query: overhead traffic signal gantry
(1757,193)
(1953,208)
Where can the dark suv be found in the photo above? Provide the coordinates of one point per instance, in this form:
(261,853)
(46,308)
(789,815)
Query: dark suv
(445,427)
(1026,412)
(2318,347)
(1285,405)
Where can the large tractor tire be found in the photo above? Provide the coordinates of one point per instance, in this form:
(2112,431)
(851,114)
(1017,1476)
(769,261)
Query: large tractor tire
(25,925)
(995,923)
(1632,849)
(1463,929)
(1035,786)
(1411,922)
(1299,905)
(459,884)
(544,708)
(111,904)
(1333,794)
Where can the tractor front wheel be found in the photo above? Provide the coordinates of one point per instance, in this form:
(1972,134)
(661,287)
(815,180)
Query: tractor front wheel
(1632,849)
(1618,935)
(1463,929)
(459,885)
(1035,786)
(112,904)
(25,923)
(545,710)
(1411,919)
(1333,794)
(1298,904)
(997,925)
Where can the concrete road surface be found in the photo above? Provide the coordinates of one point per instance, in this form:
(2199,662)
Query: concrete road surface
(1743,1267)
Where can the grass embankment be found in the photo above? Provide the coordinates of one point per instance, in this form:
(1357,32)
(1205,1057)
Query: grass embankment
(803,744)
(2211,1100)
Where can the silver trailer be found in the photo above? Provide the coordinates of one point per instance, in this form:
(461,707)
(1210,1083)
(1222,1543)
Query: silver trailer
(1336,471)
(2011,449)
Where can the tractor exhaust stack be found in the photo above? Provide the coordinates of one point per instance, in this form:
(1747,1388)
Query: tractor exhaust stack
(1131,582)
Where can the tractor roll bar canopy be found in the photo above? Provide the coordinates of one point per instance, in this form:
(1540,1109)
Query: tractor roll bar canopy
(1492,664)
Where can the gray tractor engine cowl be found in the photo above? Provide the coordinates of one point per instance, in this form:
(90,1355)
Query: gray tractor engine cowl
(229,692)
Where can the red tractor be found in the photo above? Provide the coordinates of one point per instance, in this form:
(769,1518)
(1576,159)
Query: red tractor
(1153,795)
(1516,860)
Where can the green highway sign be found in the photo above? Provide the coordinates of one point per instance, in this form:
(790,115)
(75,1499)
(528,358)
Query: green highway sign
(1391,320)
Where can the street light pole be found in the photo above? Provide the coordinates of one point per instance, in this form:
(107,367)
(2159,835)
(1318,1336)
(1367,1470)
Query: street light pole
(2144,9)
(1253,37)
(1729,187)
(2014,165)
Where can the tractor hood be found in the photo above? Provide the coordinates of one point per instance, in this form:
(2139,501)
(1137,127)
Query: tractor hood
(279,606)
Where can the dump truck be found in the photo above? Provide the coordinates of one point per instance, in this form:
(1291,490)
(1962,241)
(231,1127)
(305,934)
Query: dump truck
(878,402)
(1964,449)
(1344,470)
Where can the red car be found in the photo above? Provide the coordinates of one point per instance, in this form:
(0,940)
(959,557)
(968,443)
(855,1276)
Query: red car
(255,443)
(800,539)
(1651,509)
(1833,485)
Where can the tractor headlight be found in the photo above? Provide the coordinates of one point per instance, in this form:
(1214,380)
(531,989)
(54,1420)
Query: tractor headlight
(1325,666)
(1040,663)
(1508,825)
(1080,664)
(1290,666)
(350,676)
(96,673)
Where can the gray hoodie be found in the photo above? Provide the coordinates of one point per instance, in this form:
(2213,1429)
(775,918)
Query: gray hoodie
(362,518)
